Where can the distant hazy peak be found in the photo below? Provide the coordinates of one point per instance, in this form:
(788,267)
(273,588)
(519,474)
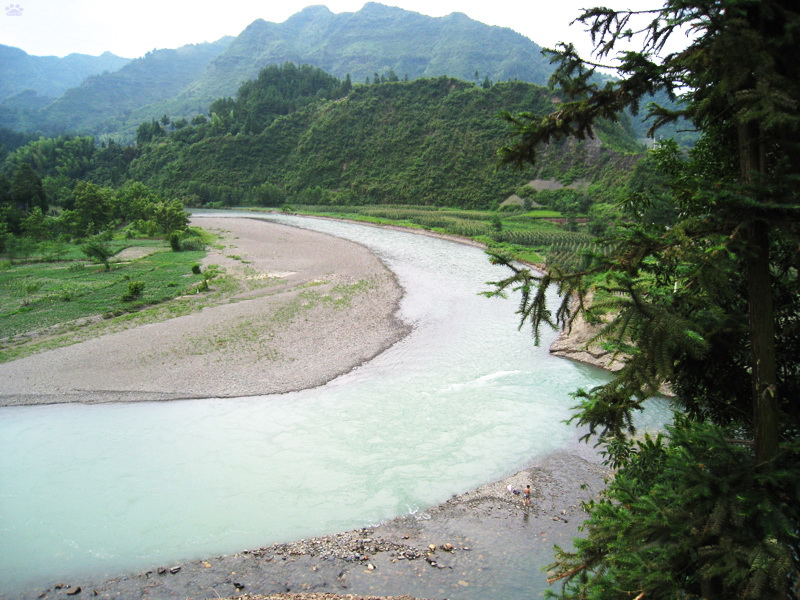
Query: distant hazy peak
(315,10)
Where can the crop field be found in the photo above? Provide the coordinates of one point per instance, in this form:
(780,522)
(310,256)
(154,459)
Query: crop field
(535,236)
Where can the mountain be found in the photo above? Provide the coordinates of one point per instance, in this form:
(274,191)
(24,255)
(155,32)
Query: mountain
(374,40)
(113,101)
(104,103)
(49,76)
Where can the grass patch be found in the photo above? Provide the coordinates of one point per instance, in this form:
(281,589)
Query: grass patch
(59,295)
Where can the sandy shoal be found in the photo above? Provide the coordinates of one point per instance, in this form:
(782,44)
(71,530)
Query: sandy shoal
(308,307)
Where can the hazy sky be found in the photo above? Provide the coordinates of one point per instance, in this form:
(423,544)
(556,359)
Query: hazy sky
(130,28)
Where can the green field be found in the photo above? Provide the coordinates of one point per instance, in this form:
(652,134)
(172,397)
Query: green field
(44,298)
(540,237)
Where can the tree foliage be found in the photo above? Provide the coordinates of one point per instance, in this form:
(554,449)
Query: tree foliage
(98,250)
(705,300)
(26,189)
(429,141)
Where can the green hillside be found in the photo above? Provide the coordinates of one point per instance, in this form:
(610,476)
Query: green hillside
(376,39)
(103,103)
(427,142)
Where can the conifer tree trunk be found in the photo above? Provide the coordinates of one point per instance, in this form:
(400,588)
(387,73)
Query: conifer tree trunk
(760,305)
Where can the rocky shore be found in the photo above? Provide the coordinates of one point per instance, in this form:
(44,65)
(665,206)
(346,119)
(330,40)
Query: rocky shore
(471,546)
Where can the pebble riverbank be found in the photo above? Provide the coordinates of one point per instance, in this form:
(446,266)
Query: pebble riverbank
(468,547)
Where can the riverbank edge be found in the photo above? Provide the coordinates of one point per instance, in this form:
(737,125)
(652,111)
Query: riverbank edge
(573,343)
(343,330)
(437,551)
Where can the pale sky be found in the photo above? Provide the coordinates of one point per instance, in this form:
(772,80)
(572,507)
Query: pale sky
(131,28)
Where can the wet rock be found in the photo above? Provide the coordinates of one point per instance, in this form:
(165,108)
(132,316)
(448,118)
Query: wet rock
(74,591)
(174,570)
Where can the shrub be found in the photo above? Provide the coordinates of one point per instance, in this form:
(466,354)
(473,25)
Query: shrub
(192,244)
(196,269)
(496,223)
(135,289)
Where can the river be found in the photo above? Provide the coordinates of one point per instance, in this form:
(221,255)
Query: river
(465,399)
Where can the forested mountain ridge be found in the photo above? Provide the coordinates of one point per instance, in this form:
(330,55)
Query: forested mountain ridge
(427,141)
(296,134)
(376,40)
(107,103)
(49,76)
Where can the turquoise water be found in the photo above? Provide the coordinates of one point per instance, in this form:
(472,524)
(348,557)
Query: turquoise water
(465,399)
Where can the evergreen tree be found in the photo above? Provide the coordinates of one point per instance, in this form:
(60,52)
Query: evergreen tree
(708,305)
(5,191)
(147,132)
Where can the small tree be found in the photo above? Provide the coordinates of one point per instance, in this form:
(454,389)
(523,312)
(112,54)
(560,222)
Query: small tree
(170,216)
(496,223)
(35,226)
(93,207)
(97,250)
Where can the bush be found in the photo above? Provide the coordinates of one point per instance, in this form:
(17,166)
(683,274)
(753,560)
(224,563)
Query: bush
(192,244)
(196,269)
(135,289)
(181,242)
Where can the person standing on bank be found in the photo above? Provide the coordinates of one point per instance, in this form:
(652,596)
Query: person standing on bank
(527,496)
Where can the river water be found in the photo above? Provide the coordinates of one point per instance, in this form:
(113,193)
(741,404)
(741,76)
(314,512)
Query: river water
(465,399)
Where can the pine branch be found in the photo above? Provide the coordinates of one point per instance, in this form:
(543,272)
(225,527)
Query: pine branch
(569,573)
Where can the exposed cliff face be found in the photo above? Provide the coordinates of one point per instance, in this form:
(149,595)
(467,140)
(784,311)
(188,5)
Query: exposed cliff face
(575,343)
